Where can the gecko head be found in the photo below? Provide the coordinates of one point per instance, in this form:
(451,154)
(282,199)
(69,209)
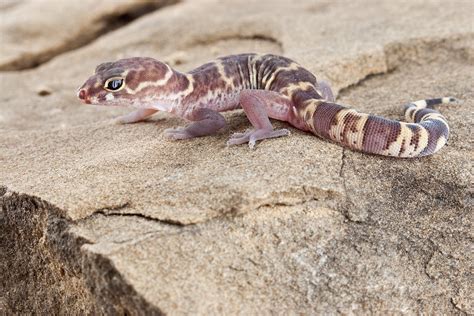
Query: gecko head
(135,81)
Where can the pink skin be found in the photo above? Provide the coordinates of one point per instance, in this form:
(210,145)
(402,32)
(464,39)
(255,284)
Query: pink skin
(264,86)
(259,106)
(136,116)
(204,122)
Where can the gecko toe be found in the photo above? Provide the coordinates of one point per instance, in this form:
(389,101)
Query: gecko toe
(264,134)
(241,135)
(237,141)
(176,133)
(255,135)
(239,138)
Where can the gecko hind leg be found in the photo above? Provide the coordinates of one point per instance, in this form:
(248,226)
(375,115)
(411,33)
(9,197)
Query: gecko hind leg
(205,122)
(327,91)
(258,106)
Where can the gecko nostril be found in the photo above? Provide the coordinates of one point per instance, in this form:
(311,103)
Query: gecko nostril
(82,94)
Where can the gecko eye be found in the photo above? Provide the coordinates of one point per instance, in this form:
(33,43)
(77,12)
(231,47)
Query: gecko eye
(114,84)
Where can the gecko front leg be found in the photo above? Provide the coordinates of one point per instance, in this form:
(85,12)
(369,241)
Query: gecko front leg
(258,106)
(204,122)
(135,116)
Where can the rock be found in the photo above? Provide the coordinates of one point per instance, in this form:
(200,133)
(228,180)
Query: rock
(100,218)
(34,32)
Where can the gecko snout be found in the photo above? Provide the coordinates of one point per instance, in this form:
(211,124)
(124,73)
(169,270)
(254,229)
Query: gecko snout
(82,94)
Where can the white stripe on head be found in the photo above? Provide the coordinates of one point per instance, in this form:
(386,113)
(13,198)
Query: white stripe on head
(158,83)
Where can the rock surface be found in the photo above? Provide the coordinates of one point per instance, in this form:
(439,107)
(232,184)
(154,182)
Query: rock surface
(36,31)
(100,218)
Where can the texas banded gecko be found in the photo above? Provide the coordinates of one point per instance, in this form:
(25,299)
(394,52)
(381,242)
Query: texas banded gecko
(264,86)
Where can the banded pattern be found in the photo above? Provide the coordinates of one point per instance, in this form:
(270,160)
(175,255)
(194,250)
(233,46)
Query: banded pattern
(424,133)
(292,94)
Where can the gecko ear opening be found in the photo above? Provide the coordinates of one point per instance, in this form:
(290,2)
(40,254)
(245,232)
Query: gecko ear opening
(114,84)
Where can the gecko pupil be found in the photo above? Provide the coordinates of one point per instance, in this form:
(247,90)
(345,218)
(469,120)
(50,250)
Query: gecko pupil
(114,84)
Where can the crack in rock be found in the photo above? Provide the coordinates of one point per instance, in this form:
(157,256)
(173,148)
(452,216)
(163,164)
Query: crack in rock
(361,81)
(168,221)
(306,198)
(397,53)
(294,197)
(348,201)
(210,39)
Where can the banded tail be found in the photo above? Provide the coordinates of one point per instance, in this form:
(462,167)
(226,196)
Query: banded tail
(425,132)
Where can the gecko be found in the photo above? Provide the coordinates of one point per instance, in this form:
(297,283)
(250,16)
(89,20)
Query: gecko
(265,86)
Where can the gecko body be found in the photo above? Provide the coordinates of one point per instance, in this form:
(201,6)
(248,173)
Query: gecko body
(264,86)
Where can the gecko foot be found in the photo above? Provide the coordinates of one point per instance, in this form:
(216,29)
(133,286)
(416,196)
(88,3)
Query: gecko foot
(177,133)
(253,135)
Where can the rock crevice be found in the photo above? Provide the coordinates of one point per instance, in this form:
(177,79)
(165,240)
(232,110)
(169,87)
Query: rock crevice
(45,269)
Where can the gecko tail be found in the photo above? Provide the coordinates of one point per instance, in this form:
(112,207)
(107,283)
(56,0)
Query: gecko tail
(425,132)
(412,107)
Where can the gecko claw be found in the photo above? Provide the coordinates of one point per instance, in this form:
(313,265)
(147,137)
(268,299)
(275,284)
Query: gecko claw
(252,144)
(254,135)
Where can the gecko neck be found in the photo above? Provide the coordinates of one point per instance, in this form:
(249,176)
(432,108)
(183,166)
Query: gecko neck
(172,93)
(181,90)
